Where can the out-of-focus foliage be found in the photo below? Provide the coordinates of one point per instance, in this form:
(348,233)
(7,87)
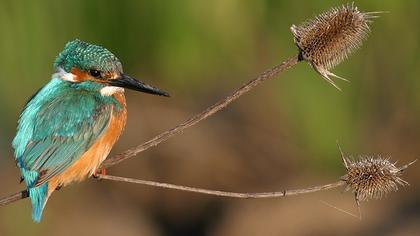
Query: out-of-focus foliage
(281,134)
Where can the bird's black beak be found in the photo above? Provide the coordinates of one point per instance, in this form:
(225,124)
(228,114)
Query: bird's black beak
(126,81)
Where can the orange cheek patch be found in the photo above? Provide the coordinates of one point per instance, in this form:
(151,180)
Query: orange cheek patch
(79,75)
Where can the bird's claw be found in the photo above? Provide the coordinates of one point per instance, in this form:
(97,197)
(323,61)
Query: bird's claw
(97,174)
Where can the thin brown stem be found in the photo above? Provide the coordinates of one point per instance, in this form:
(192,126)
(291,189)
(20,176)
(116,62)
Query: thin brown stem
(270,73)
(14,197)
(276,194)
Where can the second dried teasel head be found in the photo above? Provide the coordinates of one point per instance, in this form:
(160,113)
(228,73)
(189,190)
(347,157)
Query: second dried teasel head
(329,38)
(370,177)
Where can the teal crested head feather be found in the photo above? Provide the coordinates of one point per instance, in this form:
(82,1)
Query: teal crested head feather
(90,66)
(86,57)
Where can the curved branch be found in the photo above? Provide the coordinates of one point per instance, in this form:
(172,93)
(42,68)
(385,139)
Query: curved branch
(276,194)
(14,197)
(270,73)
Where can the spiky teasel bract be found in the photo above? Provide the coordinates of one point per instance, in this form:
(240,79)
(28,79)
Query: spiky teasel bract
(329,38)
(372,177)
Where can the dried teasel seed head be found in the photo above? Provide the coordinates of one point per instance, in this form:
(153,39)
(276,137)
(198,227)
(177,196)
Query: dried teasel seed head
(329,38)
(372,177)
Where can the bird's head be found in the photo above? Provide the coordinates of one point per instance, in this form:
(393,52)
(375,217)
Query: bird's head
(81,62)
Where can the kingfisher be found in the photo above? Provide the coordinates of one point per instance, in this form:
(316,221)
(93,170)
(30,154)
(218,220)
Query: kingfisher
(67,128)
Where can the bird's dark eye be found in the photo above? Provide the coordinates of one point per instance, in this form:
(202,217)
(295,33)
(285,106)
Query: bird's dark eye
(95,73)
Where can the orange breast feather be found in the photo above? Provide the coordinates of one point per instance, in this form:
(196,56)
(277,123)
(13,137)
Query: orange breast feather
(92,159)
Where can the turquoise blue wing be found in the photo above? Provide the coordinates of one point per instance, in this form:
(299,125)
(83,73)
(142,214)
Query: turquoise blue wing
(51,137)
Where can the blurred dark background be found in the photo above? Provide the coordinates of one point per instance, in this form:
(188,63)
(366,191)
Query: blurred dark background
(281,135)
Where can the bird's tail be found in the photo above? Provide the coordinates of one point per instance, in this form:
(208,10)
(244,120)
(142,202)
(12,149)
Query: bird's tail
(39,196)
(37,193)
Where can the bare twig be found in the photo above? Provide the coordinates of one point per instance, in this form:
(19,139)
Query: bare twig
(270,73)
(13,198)
(277,194)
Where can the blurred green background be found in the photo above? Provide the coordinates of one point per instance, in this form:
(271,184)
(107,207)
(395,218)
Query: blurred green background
(281,135)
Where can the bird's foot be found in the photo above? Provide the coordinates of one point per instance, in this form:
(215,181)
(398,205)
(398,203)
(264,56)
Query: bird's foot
(101,172)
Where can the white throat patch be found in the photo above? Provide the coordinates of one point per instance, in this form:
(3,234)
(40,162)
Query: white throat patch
(110,90)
